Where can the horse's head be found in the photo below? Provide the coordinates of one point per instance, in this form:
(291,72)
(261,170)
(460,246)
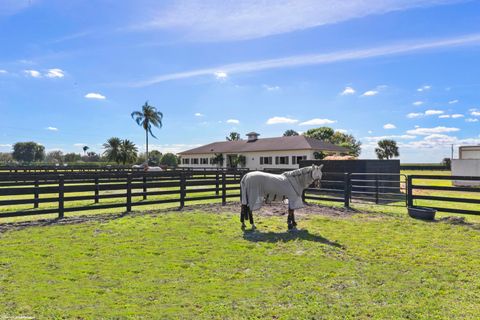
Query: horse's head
(317,174)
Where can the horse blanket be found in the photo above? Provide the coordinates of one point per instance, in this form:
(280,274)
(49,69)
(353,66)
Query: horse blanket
(257,185)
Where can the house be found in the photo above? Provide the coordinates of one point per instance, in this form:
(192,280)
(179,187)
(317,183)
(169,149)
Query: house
(468,164)
(258,154)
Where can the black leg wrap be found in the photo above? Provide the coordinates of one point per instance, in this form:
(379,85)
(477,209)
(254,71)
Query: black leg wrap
(250,216)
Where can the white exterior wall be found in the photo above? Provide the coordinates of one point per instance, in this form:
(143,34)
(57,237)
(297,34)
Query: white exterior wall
(253,159)
(466,168)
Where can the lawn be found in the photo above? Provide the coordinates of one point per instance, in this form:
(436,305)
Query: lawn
(199,264)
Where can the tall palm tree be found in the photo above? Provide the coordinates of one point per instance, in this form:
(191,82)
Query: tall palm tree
(128,152)
(112,149)
(146,118)
(85,148)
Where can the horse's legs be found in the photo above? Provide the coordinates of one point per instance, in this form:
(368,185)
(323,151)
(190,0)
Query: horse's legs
(250,216)
(243,213)
(291,220)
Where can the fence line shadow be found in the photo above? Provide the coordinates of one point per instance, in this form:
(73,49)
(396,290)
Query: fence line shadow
(273,237)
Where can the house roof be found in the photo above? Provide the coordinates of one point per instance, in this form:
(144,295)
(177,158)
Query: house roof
(267,144)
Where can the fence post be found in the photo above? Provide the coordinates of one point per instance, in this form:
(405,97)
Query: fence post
(409,191)
(97,190)
(217,184)
(61,193)
(144,186)
(182,189)
(346,190)
(35,195)
(224,189)
(129,192)
(376,189)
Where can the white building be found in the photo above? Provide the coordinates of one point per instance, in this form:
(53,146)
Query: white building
(467,165)
(258,154)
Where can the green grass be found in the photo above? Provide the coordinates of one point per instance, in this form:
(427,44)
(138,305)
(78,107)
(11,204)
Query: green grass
(200,265)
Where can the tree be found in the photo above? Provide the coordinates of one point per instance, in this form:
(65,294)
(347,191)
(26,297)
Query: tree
(91,157)
(319,155)
(72,157)
(290,133)
(128,152)
(6,157)
(447,162)
(55,156)
(218,159)
(28,151)
(112,149)
(85,148)
(387,149)
(233,136)
(146,118)
(336,137)
(322,133)
(155,157)
(169,159)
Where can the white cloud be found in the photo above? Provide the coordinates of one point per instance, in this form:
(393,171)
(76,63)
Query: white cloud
(210,20)
(2,71)
(317,122)
(414,115)
(220,75)
(402,137)
(51,129)
(347,91)
(444,116)
(370,131)
(173,148)
(198,114)
(433,112)
(471,120)
(424,88)
(370,93)
(418,103)
(5,145)
(428,131)
(95,95)
(33,73)
(281,120)
(457,115)
(475,113)
(233,121)
(271,88)
(389,126)
(80,144)
(342,130)
(55,73)
(453,101)
(316,59)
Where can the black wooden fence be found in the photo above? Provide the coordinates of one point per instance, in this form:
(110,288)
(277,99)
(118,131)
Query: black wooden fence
(24,194)
(35,193)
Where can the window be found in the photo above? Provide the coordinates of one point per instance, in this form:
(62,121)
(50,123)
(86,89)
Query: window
(297,159)
(195,161)
(266,160)
(281,160)
(203,160)
(186,161)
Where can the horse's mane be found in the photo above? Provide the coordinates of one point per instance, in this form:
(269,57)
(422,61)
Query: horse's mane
(299,178)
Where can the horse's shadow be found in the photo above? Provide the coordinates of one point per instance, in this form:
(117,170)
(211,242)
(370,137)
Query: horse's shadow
(272,237)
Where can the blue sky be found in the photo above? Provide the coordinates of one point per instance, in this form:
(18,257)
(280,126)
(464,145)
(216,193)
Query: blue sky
(71,72)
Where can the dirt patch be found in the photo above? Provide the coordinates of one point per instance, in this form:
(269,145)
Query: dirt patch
(277,209)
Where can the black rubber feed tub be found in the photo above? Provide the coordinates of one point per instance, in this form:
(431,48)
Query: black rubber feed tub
(422,213)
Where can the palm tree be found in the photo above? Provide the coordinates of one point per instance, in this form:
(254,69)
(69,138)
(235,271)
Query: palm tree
(387,149)
(128,152)
(112,149)
(85,148)
(146,118)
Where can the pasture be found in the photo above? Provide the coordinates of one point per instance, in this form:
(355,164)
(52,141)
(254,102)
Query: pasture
(199,264)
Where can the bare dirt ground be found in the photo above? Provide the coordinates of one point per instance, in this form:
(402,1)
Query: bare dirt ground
(276,209)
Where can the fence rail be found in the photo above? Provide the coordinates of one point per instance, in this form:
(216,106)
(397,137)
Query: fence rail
(34,193)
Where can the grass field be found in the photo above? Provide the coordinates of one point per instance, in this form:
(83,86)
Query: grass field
(201,265)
